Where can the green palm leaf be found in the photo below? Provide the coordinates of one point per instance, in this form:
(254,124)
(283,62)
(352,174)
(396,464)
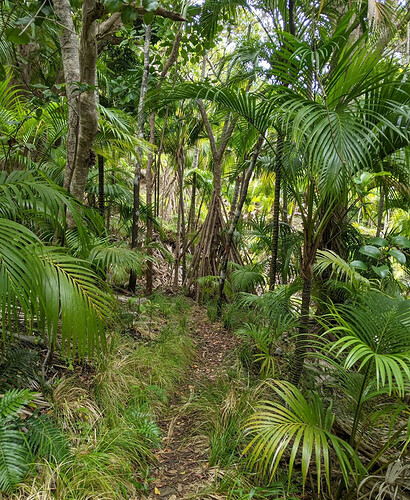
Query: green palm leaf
(374,338)
(70,287)
(296,428)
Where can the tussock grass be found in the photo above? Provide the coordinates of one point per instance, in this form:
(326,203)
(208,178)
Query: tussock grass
(110,417)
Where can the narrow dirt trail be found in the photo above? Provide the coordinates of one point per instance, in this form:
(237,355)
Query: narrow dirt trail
(183,467)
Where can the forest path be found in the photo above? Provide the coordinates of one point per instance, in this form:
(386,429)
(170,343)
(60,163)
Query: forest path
(182,461)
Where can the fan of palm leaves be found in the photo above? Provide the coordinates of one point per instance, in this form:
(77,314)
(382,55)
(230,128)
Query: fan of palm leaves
(298,429)
(373,337)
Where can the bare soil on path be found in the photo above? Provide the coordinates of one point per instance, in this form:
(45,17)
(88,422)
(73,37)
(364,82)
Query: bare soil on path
(183,469)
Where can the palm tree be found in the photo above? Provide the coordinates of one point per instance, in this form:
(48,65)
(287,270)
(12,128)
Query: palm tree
(355,114)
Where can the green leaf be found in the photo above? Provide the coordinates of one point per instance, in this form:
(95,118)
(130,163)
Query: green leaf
(401,241)
(113,5)
(13,458)
(150,5)
(149,17)
(380,242)
(129,15)
(399,256)
(15,35)
(370,251)
(381,271)
(2,72)
(358,264)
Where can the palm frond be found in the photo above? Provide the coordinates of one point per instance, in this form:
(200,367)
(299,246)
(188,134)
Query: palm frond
(300,426)
(373,337)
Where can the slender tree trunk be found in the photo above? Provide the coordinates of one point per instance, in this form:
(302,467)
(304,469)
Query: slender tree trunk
(380,224)
(276,211)
(150,214)
(234,222)
(149,183)
(180,241)
(285,202)
(191,216)
(101,197)
(158,163)
(236,192)
(301,339)
(182,205)
(138,162)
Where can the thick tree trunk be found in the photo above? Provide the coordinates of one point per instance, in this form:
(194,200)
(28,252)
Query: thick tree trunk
(138,162)
(71,64)
(237,211)
(276,211)
(101,196)
(207,254)
(88,118)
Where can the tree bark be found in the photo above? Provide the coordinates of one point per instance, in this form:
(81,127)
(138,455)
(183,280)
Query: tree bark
(380,224)
(101,197)
(71,65)
(234,222)
(301,339)
(191,215)
(138,162)
(276,211)
(150,214)
(88,118)
(149,183)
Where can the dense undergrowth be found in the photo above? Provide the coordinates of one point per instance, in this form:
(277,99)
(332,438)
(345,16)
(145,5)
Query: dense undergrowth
(102,418)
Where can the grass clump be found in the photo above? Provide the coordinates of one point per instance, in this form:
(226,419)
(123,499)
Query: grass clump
(109,413)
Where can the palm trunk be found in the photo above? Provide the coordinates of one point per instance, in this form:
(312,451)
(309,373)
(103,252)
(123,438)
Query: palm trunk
(158,164)
(301,339)
(380,224)
(285,202)
(276,212)
(138,162)
(191,216)
(101,197)
(150,214)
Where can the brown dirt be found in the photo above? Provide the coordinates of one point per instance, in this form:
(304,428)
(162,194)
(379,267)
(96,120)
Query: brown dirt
(182,461)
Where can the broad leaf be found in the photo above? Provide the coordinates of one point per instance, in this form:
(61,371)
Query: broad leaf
(380,242)
(129,15)
(113,5)
(359,264)
(150,5)
(382,271)
(15,35)
(399,256)
(370,251)
(401,241)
